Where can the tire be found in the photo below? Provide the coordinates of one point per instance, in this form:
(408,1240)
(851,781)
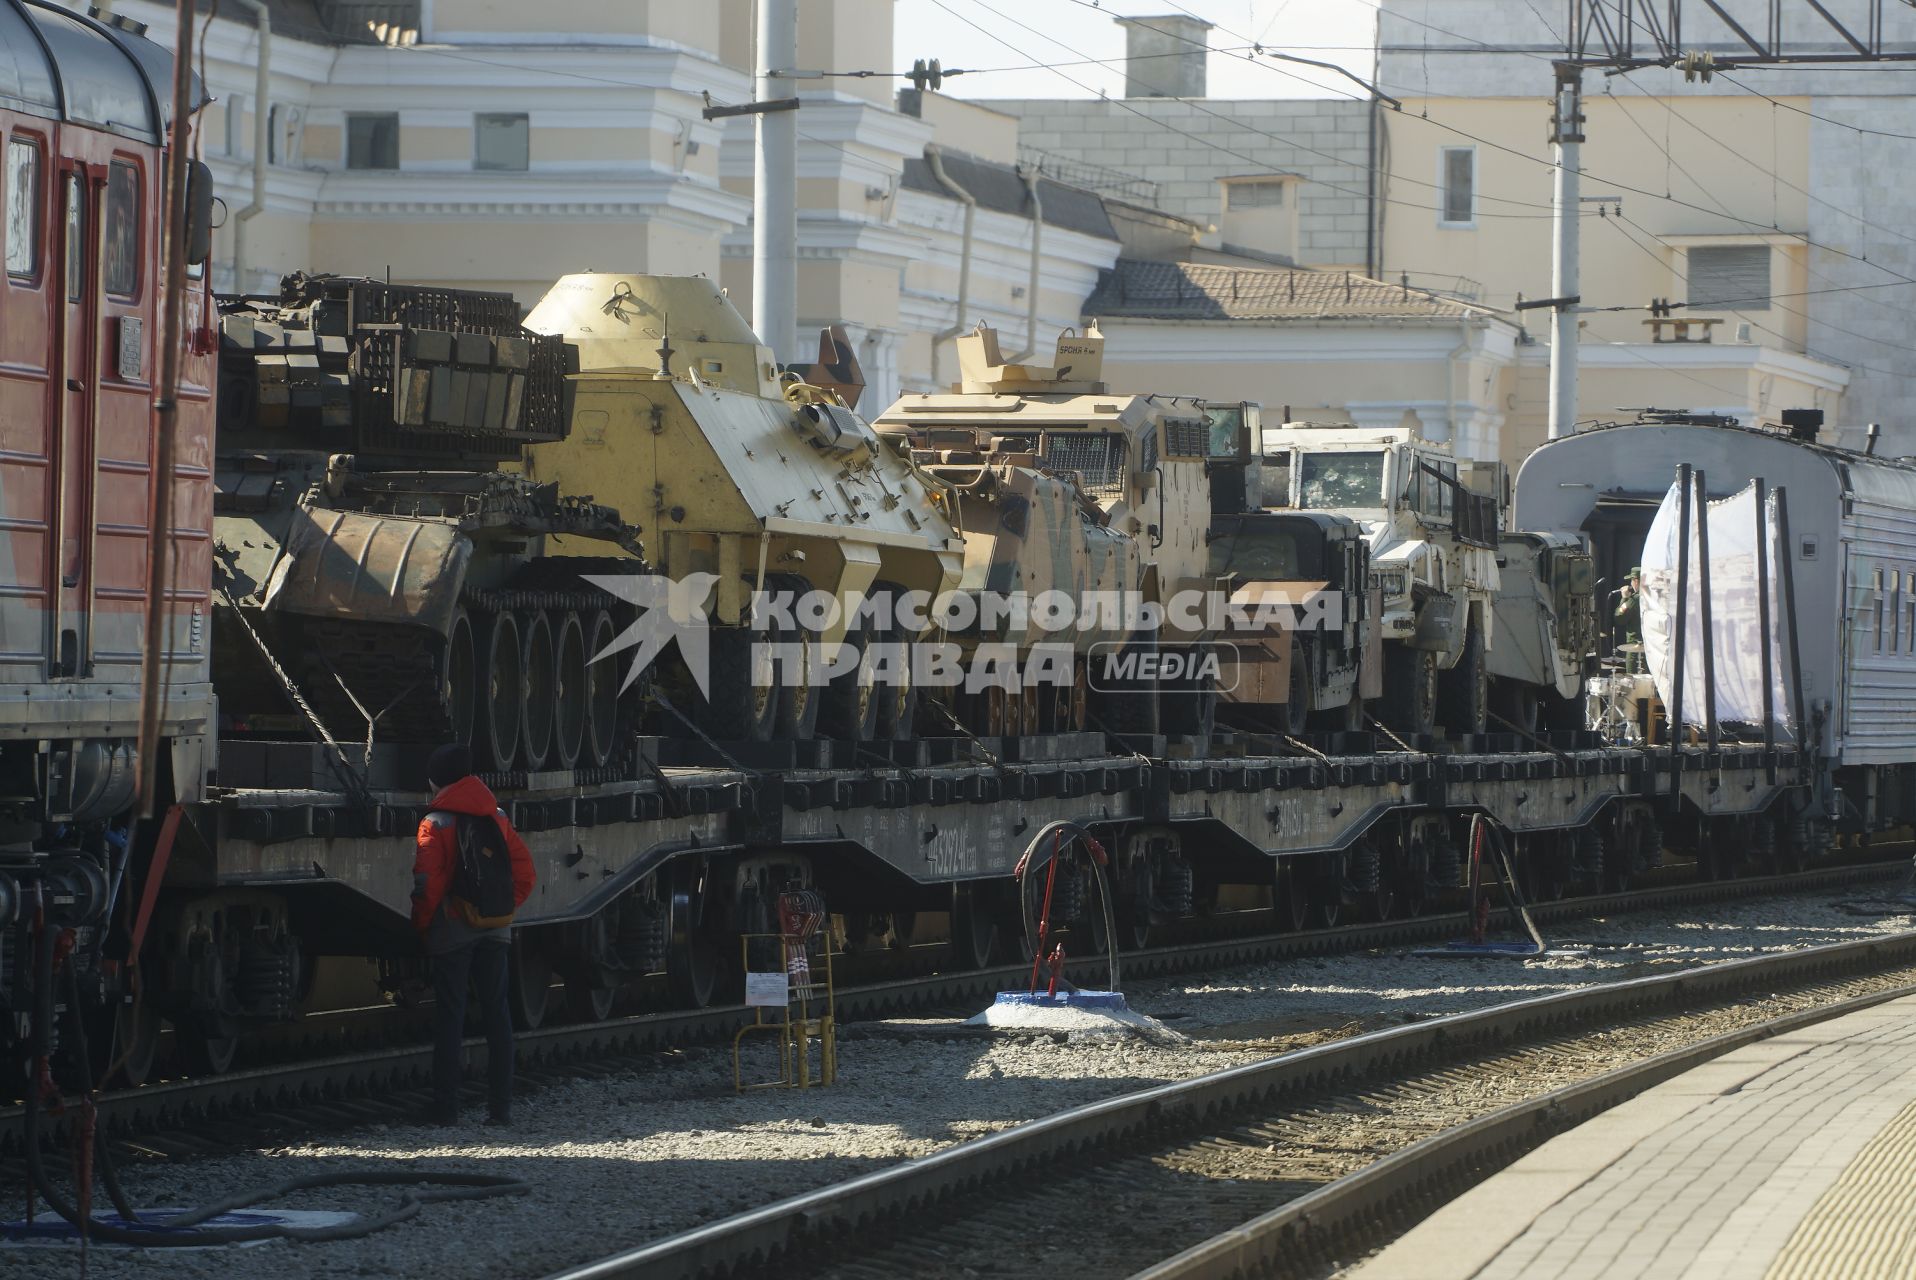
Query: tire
(1192,714)
(798,696)
(1463,692)
(740,710)
(1410,690)
(1520,704)
(848,707)
(897,698)
(1297,696)
(1132,706)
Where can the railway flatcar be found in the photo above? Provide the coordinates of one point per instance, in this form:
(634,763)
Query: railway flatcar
(1852,556)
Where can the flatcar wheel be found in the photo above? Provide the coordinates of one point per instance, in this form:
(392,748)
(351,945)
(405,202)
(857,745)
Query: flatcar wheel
(587,1001)
(569,706)
(974,926)
(502,694)
(529,984)
(1292,896)
(203,1054)
(541,691)
(135,1043)
(459,685)
(601,692)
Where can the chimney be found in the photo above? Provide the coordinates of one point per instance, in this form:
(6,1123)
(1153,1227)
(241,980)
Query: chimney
(1165,56)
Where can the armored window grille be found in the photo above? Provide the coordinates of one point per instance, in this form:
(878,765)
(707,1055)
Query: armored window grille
(1096,456)
(1186,439)
(1730,277)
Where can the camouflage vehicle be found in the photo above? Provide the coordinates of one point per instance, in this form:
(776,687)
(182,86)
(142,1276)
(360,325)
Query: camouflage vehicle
(1433,550)
(1546,630)
(1317,658)
(1139,461)
(376,580)
(681,418)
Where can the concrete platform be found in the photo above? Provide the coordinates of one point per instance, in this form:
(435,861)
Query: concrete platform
(1789,1159)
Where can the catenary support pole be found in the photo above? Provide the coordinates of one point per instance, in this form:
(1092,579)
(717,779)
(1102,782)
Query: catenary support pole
(775,186)
(1763,635)
(1706,610)
(1680,627)
(1566,138)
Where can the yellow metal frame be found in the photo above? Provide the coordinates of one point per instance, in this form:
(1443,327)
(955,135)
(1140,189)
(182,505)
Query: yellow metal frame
(797,1023)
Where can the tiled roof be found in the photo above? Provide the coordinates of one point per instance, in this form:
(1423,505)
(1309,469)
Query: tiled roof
(1199,291)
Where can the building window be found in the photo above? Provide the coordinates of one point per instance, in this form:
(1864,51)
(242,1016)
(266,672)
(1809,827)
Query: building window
(122,230)
(235,126)
(501,142)
(1457,187)
(23,208)
(1265,193)
(372,142)
(1730,277)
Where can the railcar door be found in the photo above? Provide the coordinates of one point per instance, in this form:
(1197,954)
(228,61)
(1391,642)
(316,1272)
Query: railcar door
(72,440)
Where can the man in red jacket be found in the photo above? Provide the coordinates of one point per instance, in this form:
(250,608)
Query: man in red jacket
(459,885)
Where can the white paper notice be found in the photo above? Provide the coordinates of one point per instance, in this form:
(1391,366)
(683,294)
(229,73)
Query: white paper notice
(767,989)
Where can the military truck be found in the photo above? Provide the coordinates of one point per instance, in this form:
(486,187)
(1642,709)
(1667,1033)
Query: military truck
(1546,631)
(1433,552)
(1140,462)
(1308,655)
(768,484)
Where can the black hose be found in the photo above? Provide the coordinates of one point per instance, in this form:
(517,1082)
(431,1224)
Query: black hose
(182,1230)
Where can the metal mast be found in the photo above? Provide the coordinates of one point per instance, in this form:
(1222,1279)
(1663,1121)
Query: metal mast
(775,185)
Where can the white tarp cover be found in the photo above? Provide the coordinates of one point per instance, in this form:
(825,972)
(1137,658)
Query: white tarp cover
(1734,621)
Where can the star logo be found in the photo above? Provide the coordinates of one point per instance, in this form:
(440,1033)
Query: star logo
(669,611)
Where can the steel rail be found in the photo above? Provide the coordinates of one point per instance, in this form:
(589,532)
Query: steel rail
(868,1205)
(1354,1212)
(181,1103)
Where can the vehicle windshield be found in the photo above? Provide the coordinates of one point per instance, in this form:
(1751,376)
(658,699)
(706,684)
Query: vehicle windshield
(1266,555)
(1328,481)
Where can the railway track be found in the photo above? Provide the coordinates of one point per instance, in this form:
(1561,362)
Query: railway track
(1190,1172)
(212,1113)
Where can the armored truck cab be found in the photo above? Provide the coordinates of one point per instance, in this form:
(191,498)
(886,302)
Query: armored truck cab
(1433,549)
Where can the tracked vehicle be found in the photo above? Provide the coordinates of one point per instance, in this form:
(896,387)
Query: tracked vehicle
(376,579)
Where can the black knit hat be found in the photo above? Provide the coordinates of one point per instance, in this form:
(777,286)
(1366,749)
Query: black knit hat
(448,764)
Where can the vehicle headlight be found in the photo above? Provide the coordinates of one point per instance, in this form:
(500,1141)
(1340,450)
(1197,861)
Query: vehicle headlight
(1392,581)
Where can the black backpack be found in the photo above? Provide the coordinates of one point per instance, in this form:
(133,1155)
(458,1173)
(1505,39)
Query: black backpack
(482,892)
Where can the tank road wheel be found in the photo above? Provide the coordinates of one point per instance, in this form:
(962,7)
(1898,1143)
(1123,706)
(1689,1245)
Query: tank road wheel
(741,710)
(1464,690)
(528,983)
(503,692)
(1297,693)
(459,678)
(541,691)
(974,925)
(601,693)
(1410,689)
(848,707)
(569,702)
(1030,703)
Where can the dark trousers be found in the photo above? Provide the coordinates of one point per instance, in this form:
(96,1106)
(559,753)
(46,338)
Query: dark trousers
(484,965)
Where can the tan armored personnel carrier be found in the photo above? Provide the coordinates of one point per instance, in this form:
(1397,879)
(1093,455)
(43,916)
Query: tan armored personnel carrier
(1138,460)
(681,414)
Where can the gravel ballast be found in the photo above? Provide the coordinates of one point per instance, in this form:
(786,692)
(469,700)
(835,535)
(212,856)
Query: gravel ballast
(629,1157)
